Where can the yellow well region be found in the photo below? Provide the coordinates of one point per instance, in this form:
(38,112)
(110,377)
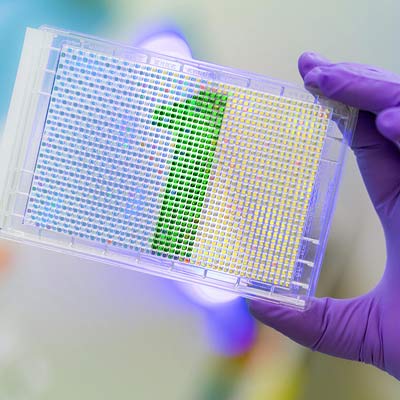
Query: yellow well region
(259,192)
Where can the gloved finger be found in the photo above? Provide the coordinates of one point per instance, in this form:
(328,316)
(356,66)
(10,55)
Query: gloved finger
(357,85)
(309,60)
(379,162)
(341,328)
(388,123)
(164,39)
(371,89)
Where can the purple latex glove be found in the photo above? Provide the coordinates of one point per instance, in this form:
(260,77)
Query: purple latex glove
(365,328)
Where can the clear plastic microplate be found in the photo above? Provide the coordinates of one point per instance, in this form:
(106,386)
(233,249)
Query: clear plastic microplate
(178,168)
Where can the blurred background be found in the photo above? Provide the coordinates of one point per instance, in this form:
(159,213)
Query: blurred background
(71,328)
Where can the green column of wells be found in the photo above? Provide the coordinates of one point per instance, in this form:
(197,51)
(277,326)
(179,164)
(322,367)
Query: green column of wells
(195,123)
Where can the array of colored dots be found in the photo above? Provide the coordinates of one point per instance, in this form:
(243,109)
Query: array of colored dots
(172,165)
(196,124)
(103,164)
(267,159)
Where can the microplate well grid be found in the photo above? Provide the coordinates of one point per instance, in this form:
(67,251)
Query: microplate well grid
(179,168)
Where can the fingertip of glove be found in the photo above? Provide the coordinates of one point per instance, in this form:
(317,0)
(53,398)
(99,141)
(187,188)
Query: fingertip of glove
(259,309)
(254,306)
(388,123)
(313,78)
(269,312)
(309,60)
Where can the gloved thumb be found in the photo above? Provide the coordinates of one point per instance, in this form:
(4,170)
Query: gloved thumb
(332,326)
(304,327)
(388,123)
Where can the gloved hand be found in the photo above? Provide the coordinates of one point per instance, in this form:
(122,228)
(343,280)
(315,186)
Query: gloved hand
(366,328)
